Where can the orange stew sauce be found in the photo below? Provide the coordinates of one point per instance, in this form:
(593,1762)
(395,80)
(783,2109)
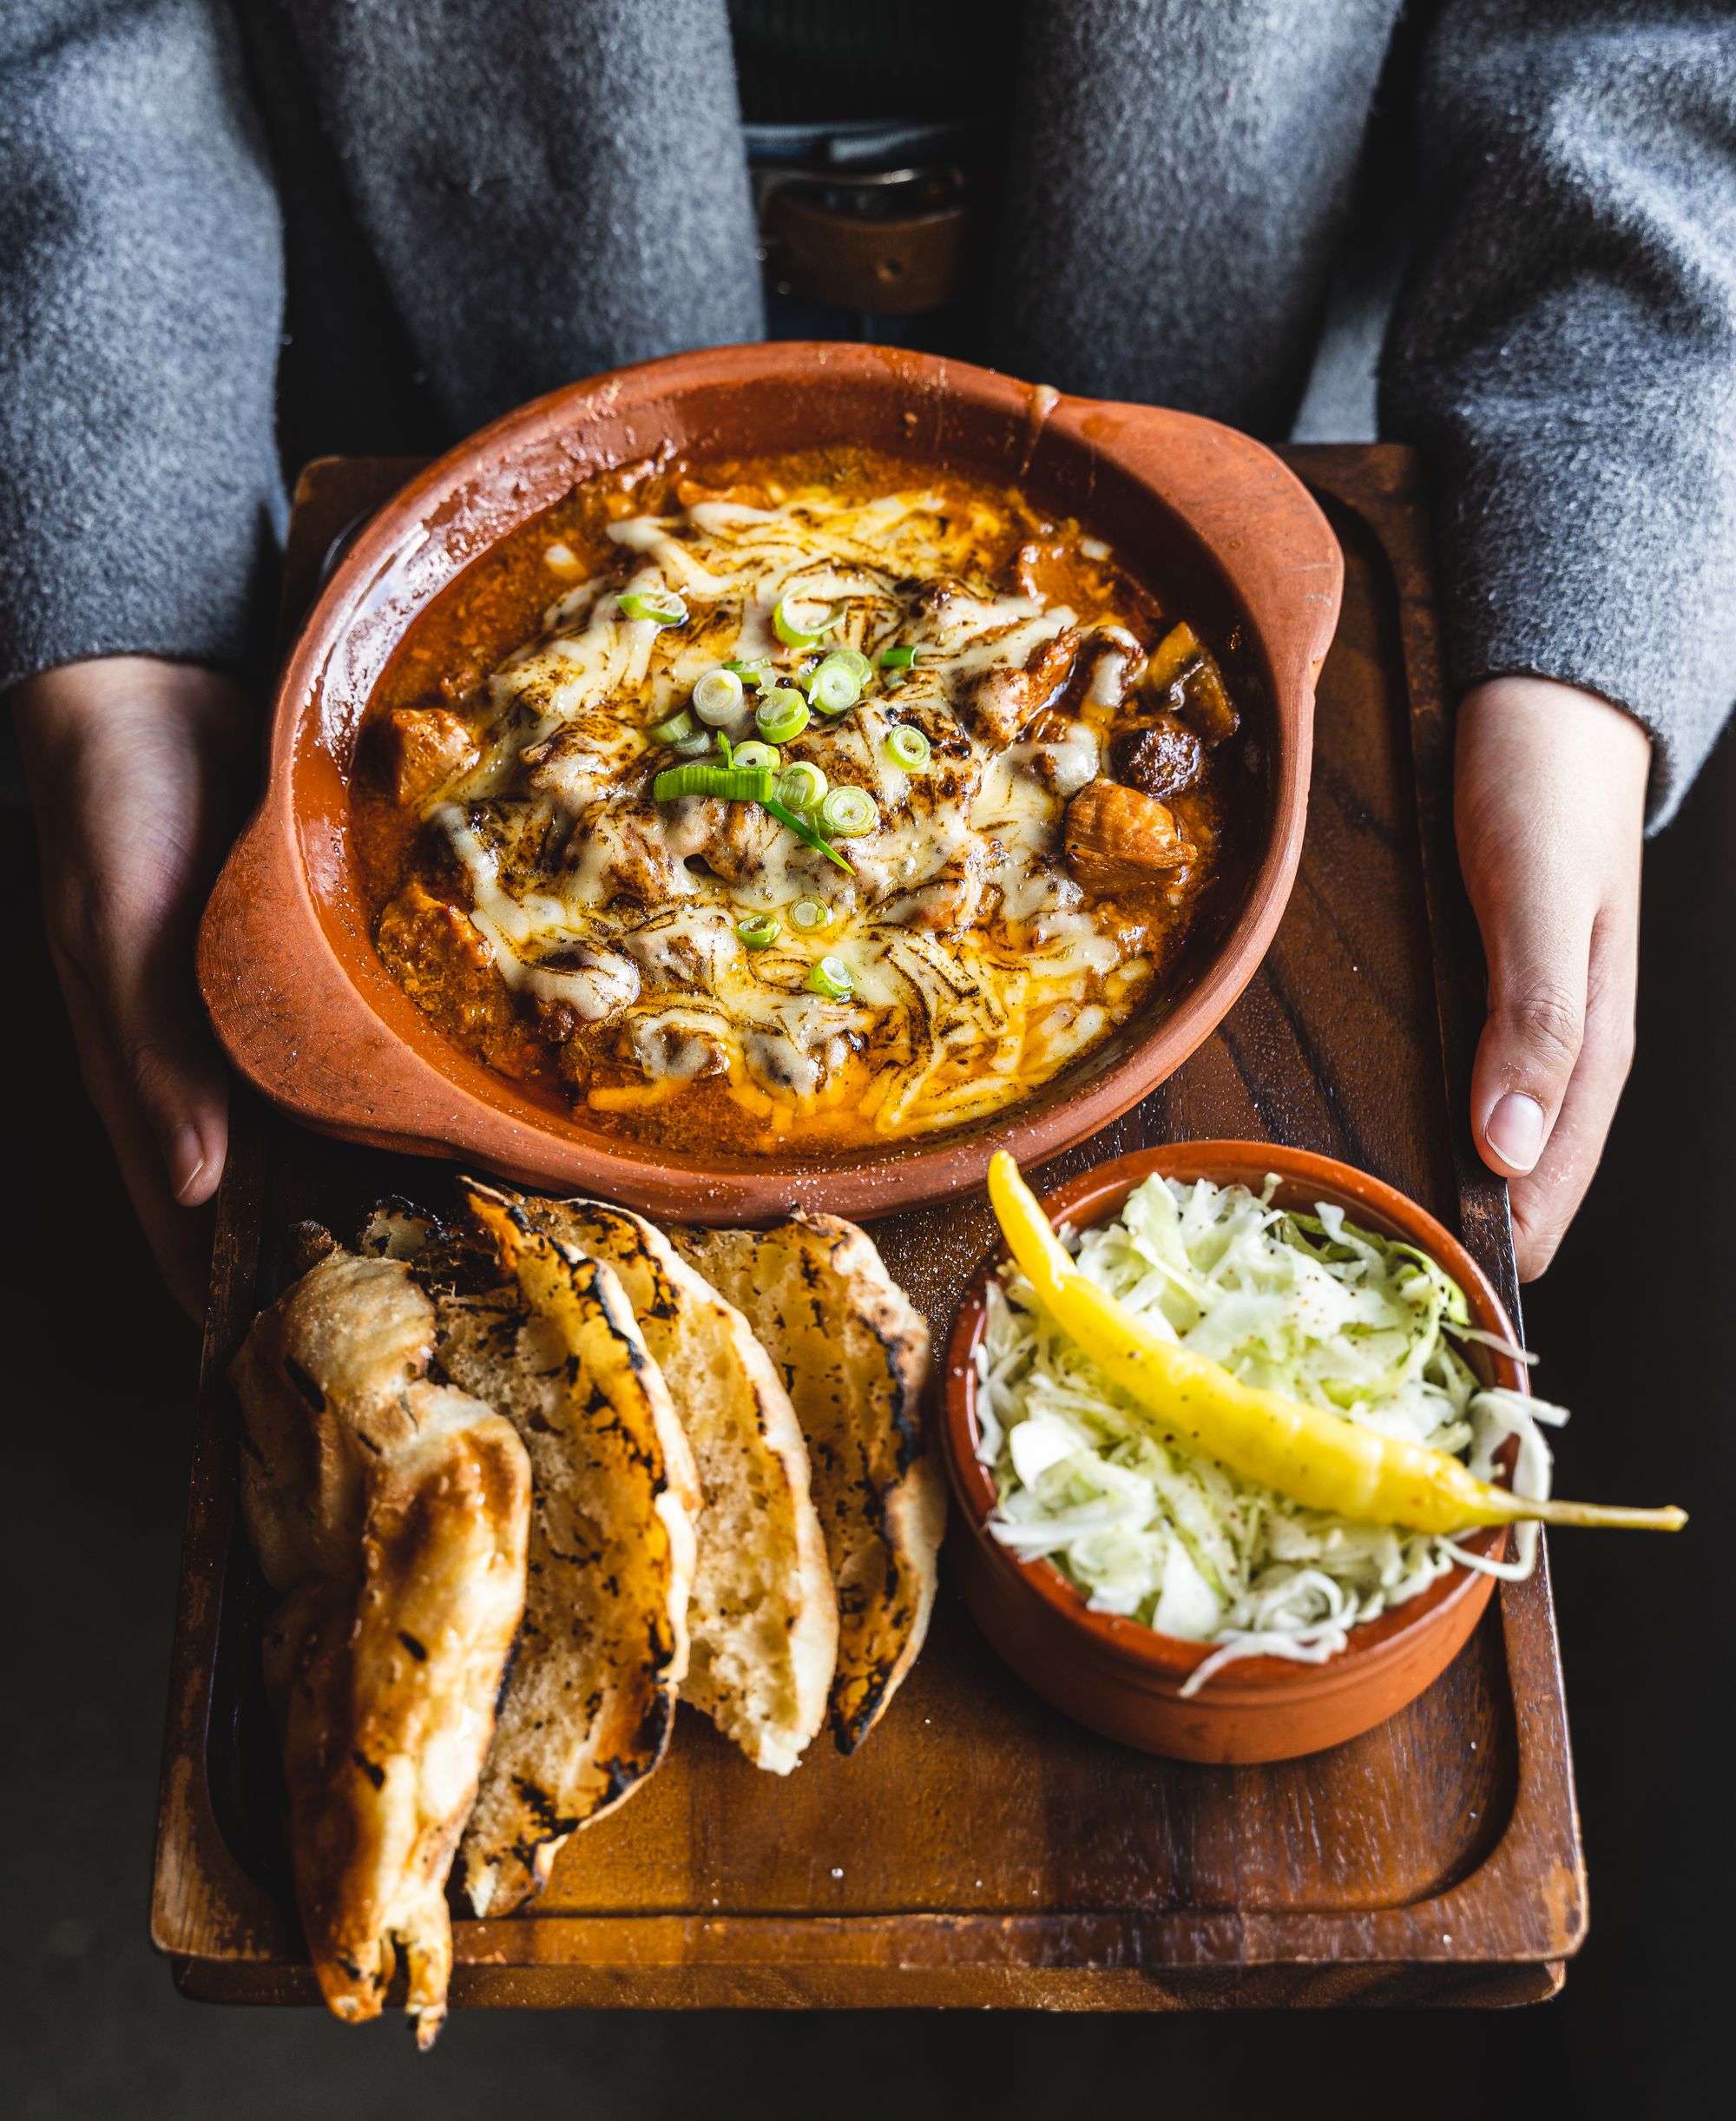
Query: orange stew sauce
(1140,710)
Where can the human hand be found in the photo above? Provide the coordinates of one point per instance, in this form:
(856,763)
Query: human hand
(1549,795)
(138,776)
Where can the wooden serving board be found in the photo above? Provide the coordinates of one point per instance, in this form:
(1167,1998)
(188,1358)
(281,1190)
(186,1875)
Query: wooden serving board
(981,1849)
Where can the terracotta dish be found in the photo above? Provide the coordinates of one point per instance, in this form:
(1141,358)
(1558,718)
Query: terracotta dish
(1124,1679)
(301,1000)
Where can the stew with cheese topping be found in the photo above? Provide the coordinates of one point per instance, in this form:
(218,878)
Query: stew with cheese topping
(828,800)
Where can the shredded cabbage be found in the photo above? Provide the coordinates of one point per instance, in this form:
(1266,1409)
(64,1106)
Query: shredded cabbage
(1310,1306)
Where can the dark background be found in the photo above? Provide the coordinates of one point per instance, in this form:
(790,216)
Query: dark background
(1635,1324)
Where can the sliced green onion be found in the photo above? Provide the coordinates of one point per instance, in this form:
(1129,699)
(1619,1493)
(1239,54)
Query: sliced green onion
(758,931)
(832,978)
(802,785)
(834,688)
(740,785)
(804,832)
(781,714)
(848,811)
(675,730)
(753,754)
(755,674)
(661,607)
(722,743)
(896,664)
(753,786)
(718,697)
(790,630)
(907,747)
(811,913)
(854,661)
(697,746)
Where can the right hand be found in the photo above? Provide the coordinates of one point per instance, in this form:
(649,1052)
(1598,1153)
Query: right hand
(139,777)
(1549,790)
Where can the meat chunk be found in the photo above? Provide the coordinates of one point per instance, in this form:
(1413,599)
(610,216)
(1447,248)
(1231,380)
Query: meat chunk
(587,983)
(1021,574)
(1207,705)
(434,950)
(945,902)
(734,840)
(623,850)
(1111,661)
(687,950)
(1021,571)
(1117,839)
(572,769)
(1186,673)
(1159,757)
(933,598)
(995,705)
(422,749)
(1050,664)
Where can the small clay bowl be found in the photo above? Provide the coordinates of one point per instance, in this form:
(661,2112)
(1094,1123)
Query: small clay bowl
(1124,1679)
(1214,522)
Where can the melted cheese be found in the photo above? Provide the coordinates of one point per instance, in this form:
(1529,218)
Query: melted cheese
(979,970)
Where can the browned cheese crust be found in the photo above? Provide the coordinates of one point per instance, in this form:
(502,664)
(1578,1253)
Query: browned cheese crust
(589,1704)
(394,1513)
(853,1354)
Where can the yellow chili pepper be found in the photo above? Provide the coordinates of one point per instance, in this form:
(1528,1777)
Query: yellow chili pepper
(1316,1457)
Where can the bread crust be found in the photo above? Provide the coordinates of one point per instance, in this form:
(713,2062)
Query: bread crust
(590,1699)
(853,1354)
(764,1615)
(394,1513)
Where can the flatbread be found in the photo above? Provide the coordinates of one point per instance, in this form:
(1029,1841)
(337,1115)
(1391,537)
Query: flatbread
(394,1513)
(853,1354)
(763,1617)
(591,1697)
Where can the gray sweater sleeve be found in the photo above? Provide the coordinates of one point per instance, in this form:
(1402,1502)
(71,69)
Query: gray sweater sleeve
(552,187)
(1565,352)
(141,297)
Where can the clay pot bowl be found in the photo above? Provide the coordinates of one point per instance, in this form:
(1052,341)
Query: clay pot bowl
(310,1015)
(1124,1679)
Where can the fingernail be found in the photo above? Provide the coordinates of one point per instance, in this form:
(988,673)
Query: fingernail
(1515,1131)
(186,1160)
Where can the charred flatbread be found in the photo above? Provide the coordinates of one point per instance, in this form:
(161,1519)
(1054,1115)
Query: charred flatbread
(763,1618)
(588,1705)
(853,1354)
(393,1512)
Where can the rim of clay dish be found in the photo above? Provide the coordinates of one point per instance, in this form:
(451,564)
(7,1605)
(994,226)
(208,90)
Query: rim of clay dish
(310,1015)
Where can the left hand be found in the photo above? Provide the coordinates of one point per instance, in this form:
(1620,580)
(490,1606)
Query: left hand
(139,772)
(1550,800)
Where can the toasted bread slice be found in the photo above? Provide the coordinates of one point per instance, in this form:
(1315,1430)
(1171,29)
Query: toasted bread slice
(763,1618)
(394,1513)
(853,1354)
(604,1646)
(327,1364)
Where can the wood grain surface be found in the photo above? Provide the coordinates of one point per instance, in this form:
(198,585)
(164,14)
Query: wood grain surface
(981,1849)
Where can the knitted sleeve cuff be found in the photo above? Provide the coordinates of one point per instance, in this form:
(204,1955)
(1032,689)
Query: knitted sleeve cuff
(1599,564)
(141,300)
